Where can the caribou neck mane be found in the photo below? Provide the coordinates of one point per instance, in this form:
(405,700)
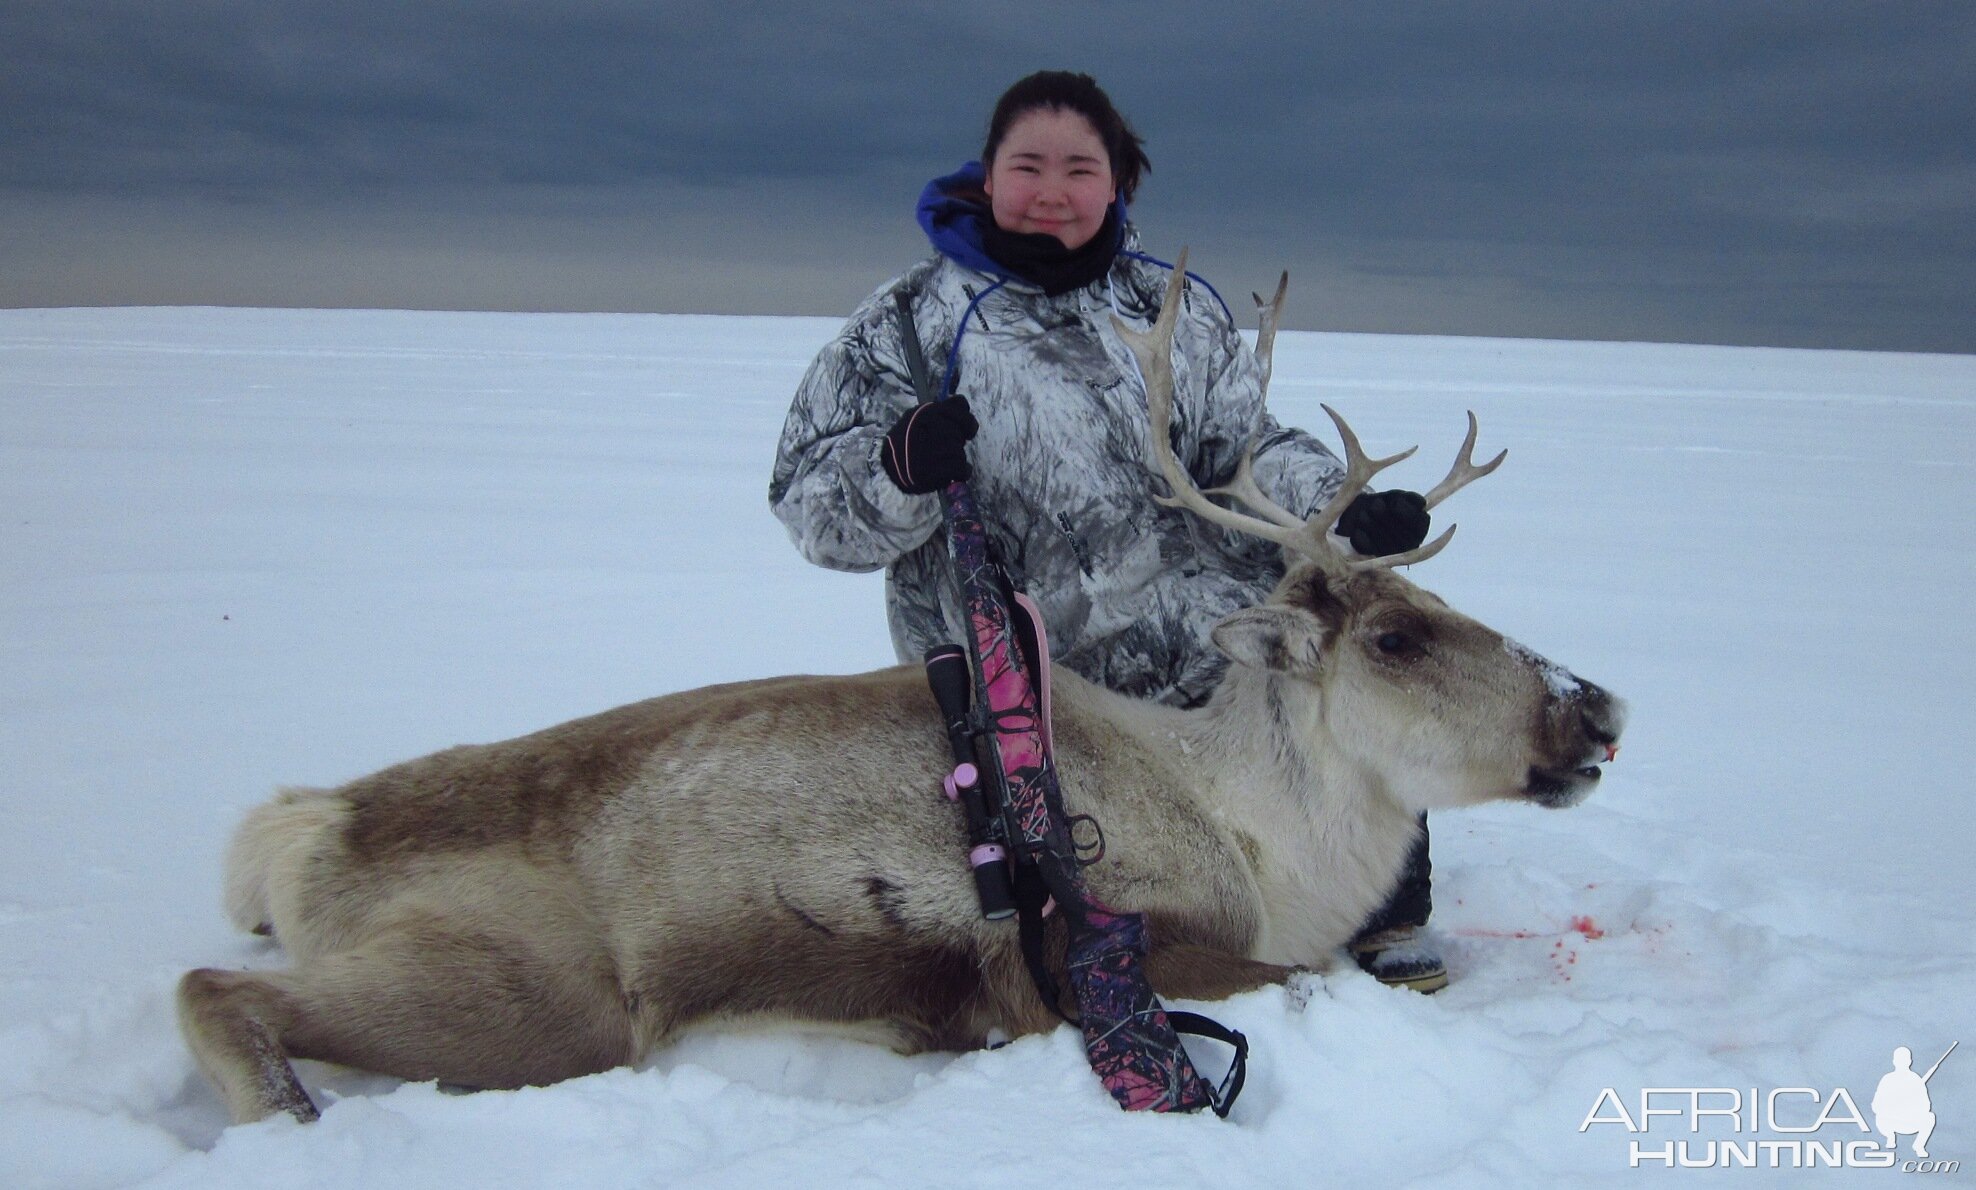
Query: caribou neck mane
(1336,835)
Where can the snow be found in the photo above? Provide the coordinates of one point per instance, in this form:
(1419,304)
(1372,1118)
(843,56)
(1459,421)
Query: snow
(253,547)
(1561,682)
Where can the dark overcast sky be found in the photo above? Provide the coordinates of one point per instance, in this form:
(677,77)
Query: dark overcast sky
(1798,174)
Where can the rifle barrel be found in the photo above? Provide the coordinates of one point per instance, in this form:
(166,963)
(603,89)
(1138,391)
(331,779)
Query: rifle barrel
(1939,1061)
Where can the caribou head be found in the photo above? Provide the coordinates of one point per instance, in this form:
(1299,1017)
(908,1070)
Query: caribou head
(1409,695)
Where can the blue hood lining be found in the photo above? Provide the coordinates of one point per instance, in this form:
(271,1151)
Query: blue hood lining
(951,217)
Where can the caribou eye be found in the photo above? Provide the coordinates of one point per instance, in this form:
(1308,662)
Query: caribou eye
(1401,638)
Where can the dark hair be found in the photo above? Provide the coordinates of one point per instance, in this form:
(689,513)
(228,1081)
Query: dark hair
(1064,90)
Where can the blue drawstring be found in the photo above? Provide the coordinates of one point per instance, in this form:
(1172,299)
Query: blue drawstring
(953,353)
(1191,275)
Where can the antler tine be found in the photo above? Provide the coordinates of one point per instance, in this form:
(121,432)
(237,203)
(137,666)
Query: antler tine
(1359,470)
(1417,554)
(1243,486)
(1154,351)
(1464,472)
(1267,315)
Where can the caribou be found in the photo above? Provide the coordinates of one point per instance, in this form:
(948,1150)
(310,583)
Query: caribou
(523,912)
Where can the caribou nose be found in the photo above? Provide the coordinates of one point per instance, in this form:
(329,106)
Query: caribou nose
(1602,717)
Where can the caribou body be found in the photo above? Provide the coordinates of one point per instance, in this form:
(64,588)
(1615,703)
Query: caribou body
(554,905)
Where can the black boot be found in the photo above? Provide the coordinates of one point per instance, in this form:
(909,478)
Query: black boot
(1394,945)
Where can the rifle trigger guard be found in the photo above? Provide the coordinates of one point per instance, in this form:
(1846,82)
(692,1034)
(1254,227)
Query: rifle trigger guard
(1087,853)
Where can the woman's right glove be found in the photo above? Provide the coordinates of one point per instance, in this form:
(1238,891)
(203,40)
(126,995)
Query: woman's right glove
(927,448)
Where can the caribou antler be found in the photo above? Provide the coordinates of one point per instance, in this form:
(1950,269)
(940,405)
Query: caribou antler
(1153,348)
(1463,473)
(1243,486)
(1268,314)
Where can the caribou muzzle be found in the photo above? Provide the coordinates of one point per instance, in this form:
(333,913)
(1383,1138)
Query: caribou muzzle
(1587,725)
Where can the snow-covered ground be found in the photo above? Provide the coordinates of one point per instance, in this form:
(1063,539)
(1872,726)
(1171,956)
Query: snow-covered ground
(248,547)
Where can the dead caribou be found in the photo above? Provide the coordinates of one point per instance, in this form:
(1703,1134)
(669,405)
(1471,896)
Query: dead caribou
(554,905)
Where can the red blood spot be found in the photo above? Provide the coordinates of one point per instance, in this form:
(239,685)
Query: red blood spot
(1587,927)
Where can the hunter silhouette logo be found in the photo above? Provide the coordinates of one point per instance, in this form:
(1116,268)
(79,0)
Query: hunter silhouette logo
(1901,1104)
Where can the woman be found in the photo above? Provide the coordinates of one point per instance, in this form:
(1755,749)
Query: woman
(1033,257)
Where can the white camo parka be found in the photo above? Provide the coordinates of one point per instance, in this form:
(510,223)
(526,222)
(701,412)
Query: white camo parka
(1129,589)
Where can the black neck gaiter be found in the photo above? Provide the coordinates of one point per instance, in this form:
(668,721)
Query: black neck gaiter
(1043,260)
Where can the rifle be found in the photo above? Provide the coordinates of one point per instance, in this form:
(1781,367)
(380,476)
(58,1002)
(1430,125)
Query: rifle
(1133,1043)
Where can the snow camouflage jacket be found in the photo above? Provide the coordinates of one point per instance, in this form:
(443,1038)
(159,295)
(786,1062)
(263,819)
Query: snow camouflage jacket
(1129,589)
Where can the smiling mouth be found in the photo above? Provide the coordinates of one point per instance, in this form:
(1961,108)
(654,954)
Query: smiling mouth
(1557,788)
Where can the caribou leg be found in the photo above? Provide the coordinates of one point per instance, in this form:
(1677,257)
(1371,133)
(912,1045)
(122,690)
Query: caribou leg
(232,1021)
(477,1009)
(1184,971)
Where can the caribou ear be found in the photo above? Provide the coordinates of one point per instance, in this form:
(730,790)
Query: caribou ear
(1286,639)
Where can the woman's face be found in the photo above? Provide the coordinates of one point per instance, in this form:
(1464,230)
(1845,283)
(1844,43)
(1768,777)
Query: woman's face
(1051,176)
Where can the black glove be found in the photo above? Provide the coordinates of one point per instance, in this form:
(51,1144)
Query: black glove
(927,449)
(1381,523)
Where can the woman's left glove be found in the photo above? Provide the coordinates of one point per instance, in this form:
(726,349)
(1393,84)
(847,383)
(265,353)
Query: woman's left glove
(1381,523)
(927,448)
